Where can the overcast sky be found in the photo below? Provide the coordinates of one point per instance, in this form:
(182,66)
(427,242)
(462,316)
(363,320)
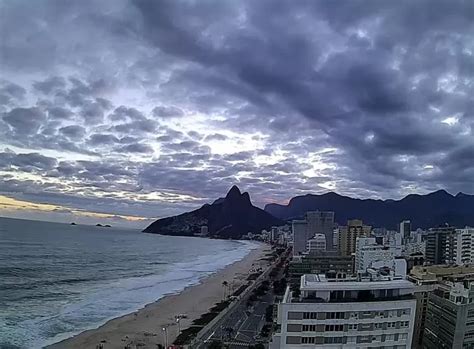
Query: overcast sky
(111,110)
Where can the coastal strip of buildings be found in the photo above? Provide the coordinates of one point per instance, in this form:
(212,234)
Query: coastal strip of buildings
(355,286)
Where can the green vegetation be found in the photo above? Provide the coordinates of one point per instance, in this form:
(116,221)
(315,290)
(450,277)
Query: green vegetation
(215,345)
(265,332)
(219,306)
(296,290)
(279,286)
(253,276)
(256,346)
(241,289)
(269,313)
(188,334)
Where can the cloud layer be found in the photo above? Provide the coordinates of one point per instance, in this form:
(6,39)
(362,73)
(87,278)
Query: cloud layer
(151,107)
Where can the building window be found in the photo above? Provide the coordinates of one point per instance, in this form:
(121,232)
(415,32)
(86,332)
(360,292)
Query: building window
(365,339)
(352,326)
(335,315)
(404,324)
(334,328)
(308,340)
(333,340)
(309,328)
(310,315)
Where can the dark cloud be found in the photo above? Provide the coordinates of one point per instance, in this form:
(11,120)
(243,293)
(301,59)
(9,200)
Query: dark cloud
(138,126)
(124,113)
(50,85)
(26,162)
(59,113)
(10,92)
(135,148)
(216,137)
(368,97)
(167,112)
(73,131)
(100,138)
(24,121)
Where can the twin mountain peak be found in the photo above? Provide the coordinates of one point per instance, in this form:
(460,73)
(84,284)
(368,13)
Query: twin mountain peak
(234,215)
(229,217)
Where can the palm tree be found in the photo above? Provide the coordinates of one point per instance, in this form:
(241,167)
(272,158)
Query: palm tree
(229,331)
(225,284)
(215,345)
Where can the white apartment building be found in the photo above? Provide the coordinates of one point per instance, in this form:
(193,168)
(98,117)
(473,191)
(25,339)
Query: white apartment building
(317,243)
(460,247)
(395,241)
(376,311)
(368,251)
(414,247)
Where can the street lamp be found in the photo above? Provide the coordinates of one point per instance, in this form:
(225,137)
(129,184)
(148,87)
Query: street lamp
(165,332)
(178,320)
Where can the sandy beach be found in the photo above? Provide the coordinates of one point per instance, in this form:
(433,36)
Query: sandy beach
(144,327)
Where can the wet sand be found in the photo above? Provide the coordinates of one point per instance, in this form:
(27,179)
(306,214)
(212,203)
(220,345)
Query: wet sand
(143,328)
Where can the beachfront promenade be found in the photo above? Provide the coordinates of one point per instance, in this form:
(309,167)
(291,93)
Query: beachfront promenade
(237,324)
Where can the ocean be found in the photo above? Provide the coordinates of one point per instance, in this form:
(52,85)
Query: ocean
(57,280)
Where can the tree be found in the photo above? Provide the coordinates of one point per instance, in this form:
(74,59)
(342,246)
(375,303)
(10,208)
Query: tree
(225,284)
(229,331)
(215,345)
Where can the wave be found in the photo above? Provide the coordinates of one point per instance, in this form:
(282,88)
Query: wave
(119,297)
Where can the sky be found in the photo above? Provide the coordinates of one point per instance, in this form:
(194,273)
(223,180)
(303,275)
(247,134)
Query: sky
(123,111)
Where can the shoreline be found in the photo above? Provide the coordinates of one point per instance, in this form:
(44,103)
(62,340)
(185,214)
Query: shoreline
(144,326)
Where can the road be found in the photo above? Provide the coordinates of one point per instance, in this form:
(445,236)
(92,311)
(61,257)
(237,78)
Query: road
(241,324)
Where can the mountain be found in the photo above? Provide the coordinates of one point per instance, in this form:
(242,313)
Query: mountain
(229,217)
(424,211)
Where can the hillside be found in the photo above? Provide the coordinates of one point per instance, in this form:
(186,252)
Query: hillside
(229,217)
(423,210)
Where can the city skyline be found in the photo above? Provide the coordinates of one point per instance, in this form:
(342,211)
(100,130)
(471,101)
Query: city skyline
(124,110)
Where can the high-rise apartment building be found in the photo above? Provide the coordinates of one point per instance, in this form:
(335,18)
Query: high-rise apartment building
(348,235)
(435,250)
(321,222)
(426,279)
(376,311)
(300,236)
(460,247)
(315,222)
(404,228)
(320,263)
(450,316)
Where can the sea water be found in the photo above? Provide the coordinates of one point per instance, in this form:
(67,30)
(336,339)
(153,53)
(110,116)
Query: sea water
(57,280)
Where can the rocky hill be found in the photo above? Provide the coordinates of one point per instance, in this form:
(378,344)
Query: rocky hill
(229,217)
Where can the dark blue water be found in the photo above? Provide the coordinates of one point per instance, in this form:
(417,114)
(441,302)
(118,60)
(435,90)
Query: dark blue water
(57,280)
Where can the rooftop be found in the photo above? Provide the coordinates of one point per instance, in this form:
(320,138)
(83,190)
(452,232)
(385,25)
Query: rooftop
(319,282)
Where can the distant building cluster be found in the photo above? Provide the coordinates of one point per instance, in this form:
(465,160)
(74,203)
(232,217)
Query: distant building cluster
(356,286)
